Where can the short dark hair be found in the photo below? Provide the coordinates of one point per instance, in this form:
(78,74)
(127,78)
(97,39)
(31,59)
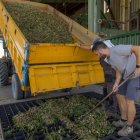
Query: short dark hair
(99,45)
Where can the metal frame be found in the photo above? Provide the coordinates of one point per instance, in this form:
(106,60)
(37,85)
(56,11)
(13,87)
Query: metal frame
(1,128)
(128,38)
(31,104)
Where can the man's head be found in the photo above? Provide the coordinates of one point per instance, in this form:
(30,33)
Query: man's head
(100,49)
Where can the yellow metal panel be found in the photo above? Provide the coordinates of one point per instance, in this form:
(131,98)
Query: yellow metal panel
(14,38)
(63,69)
(53,77)
(65,80)
(42,72)
(98,73)
(46,84)
(81,68)
(84,78)
(76,39)
(55,53)
(33,80)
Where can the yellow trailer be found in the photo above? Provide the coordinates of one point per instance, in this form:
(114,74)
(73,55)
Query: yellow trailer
(43,67)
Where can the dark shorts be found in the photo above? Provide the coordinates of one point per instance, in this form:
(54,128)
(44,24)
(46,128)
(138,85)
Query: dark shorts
(131,89)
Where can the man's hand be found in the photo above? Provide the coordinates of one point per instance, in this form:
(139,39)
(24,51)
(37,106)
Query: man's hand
(78,43)
(85,47)
(137,71)
(115,89)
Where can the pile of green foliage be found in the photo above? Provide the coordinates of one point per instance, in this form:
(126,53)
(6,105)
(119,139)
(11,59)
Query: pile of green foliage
(69,113)
(39,26)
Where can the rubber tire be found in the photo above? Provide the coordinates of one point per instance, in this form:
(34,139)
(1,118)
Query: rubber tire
(4,78)
(16,87)
(27,94)
(65,90)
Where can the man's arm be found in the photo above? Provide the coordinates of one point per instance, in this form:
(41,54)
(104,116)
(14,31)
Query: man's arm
(118,79)
(85,47)
(136,50)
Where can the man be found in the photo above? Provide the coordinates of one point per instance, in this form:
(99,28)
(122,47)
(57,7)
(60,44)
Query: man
(109,74)
(125,59)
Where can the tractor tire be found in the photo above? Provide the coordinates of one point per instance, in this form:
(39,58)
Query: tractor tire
(4,77)
(16,87)
(27,94)
(65,90)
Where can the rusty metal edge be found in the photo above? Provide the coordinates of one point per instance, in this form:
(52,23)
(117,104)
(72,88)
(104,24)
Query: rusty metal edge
(2,133)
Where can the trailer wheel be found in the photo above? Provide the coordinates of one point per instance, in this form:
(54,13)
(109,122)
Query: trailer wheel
(16,87)
(4,78)
(65,90)
(27,94)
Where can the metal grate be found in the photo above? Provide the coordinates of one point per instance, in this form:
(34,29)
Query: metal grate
(8,111)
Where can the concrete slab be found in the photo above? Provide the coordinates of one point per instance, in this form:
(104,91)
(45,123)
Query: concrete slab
(7,98)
